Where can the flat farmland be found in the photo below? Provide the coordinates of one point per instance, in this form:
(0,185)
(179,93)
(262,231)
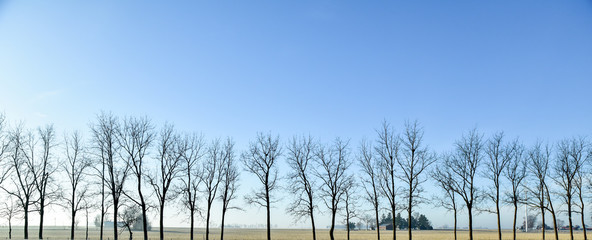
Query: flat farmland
(281,234)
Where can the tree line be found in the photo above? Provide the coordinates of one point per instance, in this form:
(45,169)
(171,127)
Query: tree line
(127,160)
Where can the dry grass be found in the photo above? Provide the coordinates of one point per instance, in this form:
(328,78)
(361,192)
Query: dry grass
(283,234)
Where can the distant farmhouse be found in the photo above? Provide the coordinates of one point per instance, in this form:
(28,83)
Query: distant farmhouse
(385,226)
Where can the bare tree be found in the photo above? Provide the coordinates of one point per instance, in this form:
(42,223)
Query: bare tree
(116,171)
(498,158)
(135,137)
(261,160)
(21,154)
(515,174)
(444,178)
(101,155)
(568,164)
(371,180)
(170,157)
(87,207)
(230,177)
(332,168)
(191,149)
(416,158)
(351,202)
(538,158)
(75,167)
(302,186)
(44,171)
(581,152)
(130,216)
(581,208)
(464,164)
(388,149)
(9,210)
(212,176)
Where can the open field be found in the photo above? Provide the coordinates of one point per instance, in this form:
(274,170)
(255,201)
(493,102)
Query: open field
(283,234)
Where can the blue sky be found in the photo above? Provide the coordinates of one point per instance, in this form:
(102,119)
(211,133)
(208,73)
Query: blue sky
(325,68)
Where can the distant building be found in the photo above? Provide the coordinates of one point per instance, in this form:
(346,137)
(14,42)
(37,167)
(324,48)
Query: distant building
(386,226)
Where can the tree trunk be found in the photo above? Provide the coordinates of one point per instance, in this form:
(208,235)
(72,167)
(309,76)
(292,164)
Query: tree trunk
(115,203)
(582,213)
(102,215)
(208,221)
(393,206)
(314,231)
(555,225)
(584,222)
(41,216)
(515,216)
(161,222)
(394,227)
(552,210)
(72,224)
(222,226)
(569,218)
(470,222)
(102,200)
(347,216)
(192,223)
(497,210)
(408,220)
(268,212)
(144,217)
(377,221)
(347,222)
(10,228)
(86,236)
(455,223)
(409,211)
(543,220)
(26,208)
(333,213)
(145,222)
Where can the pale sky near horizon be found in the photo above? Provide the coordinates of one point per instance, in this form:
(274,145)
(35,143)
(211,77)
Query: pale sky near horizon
(325,68)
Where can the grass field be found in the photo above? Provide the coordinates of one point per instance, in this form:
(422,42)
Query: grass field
(282,234)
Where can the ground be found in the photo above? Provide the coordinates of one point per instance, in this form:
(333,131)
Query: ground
(282,234)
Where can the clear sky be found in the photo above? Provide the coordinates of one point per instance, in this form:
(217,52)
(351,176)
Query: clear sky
(325,68)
